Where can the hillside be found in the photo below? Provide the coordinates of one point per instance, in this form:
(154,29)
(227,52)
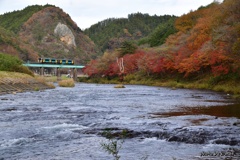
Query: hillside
(45,31)
(11,44)
(206,47)
(110,33)
(14,20)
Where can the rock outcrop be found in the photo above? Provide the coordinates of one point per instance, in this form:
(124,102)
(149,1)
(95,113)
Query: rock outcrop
(54,34)
(65,35)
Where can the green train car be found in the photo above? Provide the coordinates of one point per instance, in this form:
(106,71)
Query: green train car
(55,61)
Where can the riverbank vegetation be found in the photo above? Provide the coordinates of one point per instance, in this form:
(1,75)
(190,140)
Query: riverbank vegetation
(219,84)
(14,82)
(66,83)
(12,64)
(17,78)
(17,75)
(203,53)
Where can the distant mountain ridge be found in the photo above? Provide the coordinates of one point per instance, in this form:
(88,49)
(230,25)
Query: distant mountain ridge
(110,33)
(44,31)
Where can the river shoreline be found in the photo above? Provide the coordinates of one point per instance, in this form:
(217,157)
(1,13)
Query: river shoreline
(12,82)
(231,88)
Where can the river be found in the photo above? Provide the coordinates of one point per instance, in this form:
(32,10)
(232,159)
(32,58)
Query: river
(161,123)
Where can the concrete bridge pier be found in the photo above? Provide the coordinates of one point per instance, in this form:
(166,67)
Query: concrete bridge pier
(41,71)
(58,74)
(75,74)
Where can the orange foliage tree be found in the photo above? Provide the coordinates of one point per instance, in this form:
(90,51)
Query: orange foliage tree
(208,41)
(200,34)
(187,21)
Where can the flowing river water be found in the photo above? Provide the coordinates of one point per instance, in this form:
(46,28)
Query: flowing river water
(161,123)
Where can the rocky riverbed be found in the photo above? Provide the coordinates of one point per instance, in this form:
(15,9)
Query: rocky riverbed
(158,123)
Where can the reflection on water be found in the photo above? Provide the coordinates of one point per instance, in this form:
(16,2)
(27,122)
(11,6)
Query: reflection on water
(217,111)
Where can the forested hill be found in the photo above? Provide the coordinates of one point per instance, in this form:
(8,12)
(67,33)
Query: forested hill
(44,31)
(110,33)
(206,47)
(14,20)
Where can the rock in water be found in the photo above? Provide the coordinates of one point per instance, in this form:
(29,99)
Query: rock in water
(119,86)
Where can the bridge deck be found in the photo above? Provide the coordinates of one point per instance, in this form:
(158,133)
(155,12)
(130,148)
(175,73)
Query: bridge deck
(40,65)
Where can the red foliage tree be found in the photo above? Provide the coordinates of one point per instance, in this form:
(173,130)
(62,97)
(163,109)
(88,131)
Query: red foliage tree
(220,63)
(147,63)
(130,62)
(91,69)
(112,70)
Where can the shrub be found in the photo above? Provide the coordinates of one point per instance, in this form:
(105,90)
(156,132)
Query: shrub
(128,78)
(12,64)
(8,62)
(23,69)
(66,83)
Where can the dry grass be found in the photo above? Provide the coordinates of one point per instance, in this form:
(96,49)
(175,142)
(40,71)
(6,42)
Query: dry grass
(45,81)
(50,85)
(66,83)
(51,78)
(15,77)
(4,74)
(40,79)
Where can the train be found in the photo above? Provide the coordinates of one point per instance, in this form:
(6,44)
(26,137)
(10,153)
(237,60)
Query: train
(55,61)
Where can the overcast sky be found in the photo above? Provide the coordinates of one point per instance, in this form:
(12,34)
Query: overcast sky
(88,12)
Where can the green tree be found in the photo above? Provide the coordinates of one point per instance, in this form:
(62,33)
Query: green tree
(137,25)
(127,47)
(161,33)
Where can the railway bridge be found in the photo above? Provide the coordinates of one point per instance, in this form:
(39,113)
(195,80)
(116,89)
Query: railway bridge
(42,66)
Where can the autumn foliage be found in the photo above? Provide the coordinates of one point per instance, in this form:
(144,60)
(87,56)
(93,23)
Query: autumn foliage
(207,43)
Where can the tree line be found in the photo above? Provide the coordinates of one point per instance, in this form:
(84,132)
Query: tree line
(134,28)
(203,43)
